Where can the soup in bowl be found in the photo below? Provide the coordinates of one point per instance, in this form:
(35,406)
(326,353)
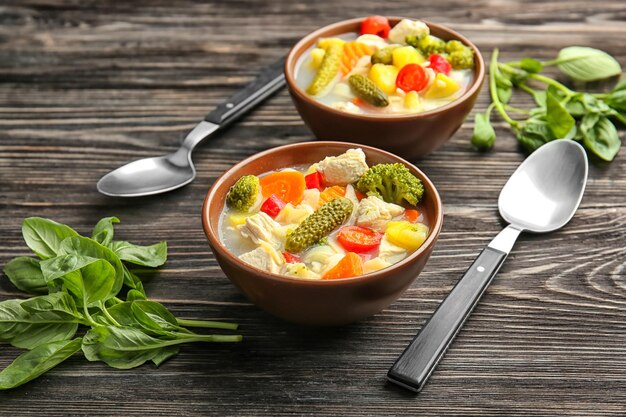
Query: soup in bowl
(406,91)
(322,233)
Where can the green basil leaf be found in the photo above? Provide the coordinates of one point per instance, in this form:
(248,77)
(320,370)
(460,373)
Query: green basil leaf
(164,354)
(152,256)
(575,106)
(504,94)
(531,65)
(123,347)
(60,302)
(60,266)
(587,64)
(29,329)
(534,134)
(540,98)
(617,100)
(25,274)
(136,295)
(103,231)
(132,281)
(484,135)
(30,365)
(87,247)
(44,236)
(559,120)
(601,137)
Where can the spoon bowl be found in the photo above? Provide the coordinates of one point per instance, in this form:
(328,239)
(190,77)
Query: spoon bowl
(544,192)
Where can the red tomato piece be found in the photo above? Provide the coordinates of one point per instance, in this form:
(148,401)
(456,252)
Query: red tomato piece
(358,239)
(412,77)
(359,195)
(439,64)
(375,25)
(314,180)
(291,258)
(272,206)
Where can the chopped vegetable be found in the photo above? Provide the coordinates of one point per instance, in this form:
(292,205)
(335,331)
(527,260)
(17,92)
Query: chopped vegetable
(412,77)
(358,239)
(290,258)
(462,59)
(384,55)
(407,235)
(317,55)
(314,180)
(328,70)
(365,89)
(243,194)
(352,52)
(394,183)
(427,44)
(439,64)
(272,206)
(384,76)
(411,215)
(236,219)
(375,25)
(286,185)
(412,100)
(350,265)
(442,86)
(319,224)
(408,27)
(406,55)
(330,193)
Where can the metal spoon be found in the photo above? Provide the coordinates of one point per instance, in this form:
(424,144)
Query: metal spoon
(542,195)
(165,173)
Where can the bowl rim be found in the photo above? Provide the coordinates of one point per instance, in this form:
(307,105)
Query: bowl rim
(295,89)
(217,245)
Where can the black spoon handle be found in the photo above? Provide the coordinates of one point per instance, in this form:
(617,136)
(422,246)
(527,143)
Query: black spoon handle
(419,359)
(270,80)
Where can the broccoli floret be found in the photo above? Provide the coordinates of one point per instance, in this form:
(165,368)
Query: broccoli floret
(427,44)
(462,59)
(394,183)
(243,194)
(460,55)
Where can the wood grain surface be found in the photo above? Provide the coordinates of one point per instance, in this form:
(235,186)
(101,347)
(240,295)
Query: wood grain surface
(88,85)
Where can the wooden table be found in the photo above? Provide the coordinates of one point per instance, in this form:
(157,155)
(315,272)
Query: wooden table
(86,86)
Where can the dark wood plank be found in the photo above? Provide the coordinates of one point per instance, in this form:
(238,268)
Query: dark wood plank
(86,86)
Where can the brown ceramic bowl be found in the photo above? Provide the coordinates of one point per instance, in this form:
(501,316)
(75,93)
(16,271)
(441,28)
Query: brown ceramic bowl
(317,302)
(410,136)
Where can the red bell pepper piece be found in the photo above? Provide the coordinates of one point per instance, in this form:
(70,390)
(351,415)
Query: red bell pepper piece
(291,258)
(314,180)
(272,206)
(375,25)
(439,64)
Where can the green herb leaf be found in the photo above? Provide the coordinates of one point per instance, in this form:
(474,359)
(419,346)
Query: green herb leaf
(534,134)
(153,255)
(531,65)
(103,231)
(30,365)
(600,136)
(25,274)
(164,354)
(29,329)
(44,236)
(484,135)
(587,64)
(559,120)
(86,247)
(617,99)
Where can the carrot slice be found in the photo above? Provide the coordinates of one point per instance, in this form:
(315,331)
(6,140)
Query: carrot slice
(352,52)
(350,265)
(287,185)
(330,193)
(411,215)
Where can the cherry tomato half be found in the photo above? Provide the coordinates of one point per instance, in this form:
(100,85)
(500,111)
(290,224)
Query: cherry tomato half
(375,25)
(439,64)
(412,77)
(358,239)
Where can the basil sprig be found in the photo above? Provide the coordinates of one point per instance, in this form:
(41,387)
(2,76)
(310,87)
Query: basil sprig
(77,282)
(561,113)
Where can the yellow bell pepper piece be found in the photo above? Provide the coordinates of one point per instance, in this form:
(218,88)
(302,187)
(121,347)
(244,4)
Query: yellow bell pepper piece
(406,55)
(412,101)
(409,236)
(442,86)
(317,55)
(384,76)
(237,219)
(327,42)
